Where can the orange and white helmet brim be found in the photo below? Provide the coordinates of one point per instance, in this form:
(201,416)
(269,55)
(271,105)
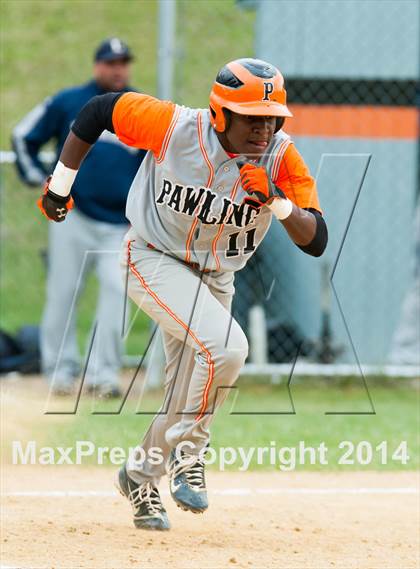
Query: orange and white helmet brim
(259,108)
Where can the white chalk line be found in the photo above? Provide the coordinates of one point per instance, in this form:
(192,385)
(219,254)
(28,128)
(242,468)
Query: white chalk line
(216,492)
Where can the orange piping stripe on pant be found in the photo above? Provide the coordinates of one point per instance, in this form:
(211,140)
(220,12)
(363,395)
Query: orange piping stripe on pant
(181,323)
(208,183)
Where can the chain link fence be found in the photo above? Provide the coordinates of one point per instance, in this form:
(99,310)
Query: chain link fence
(352,84)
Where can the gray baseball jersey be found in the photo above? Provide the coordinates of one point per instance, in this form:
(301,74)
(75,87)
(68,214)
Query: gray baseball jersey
(188,201)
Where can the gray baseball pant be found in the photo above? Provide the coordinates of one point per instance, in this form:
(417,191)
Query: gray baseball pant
(74,248)
(204,348)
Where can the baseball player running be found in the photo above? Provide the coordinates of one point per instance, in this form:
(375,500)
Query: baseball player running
(199,206)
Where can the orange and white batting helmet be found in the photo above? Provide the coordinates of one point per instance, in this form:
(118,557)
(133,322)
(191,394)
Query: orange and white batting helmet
(248,87)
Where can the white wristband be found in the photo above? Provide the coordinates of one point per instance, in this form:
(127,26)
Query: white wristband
(281,208)
(62,180)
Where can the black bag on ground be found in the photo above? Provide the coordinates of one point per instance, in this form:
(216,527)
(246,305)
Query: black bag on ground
(21,352)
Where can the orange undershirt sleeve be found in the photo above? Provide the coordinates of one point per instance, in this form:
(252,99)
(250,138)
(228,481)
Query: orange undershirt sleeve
(142,121)
(296,181)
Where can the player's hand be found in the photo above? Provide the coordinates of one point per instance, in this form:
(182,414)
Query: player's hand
(54,207)
(257,183)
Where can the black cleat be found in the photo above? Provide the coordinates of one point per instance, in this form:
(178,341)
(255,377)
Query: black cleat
(148,509)
(187,483)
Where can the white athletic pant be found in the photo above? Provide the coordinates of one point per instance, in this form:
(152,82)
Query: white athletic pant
(74,248)
(204,347)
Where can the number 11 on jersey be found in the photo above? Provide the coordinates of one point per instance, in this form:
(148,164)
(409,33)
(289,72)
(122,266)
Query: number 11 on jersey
(233,250)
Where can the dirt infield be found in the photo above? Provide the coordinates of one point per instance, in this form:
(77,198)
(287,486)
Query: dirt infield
(301,520)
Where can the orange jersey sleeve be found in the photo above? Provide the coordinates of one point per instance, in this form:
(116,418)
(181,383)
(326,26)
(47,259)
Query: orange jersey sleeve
(142,121)
(296,181)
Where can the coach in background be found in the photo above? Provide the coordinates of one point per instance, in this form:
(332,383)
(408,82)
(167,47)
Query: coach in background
(92,234)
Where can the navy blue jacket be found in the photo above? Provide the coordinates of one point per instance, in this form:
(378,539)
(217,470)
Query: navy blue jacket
(102,183)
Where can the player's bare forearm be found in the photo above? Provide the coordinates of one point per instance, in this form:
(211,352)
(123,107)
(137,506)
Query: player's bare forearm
(307,229)
(92,120)
(56,200)
(74,151)
(300,225)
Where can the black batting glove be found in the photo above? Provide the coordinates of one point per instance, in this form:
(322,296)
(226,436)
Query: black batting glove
(54,207)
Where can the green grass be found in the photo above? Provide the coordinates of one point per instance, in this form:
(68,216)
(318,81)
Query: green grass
(396,420)
(47,45)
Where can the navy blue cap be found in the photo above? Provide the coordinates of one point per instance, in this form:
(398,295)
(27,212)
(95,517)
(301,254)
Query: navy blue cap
(112,49)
